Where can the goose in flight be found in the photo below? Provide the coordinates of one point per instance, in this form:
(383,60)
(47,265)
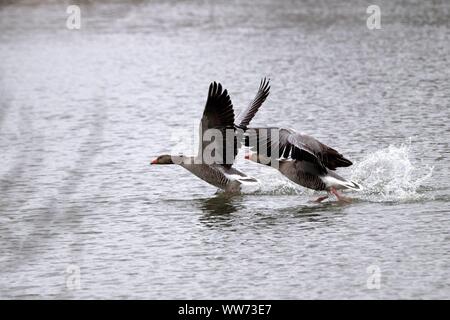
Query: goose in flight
(301,158)
(218,117)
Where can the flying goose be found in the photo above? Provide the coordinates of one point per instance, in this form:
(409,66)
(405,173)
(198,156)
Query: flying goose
(301,158)
(219,115)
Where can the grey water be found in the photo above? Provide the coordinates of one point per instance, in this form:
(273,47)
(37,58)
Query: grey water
(84,111)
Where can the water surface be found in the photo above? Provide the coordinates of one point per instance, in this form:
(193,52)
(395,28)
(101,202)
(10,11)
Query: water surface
(82,112)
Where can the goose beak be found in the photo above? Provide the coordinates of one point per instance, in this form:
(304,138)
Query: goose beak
(155,161)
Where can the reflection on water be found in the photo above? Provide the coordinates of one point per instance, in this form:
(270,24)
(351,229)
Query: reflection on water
(222,204)
(82,112)
(315,209)
(316,215)
(227,211)
(218,210)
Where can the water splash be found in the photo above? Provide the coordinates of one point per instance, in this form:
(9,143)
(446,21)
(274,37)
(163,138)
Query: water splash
(389,175)
(386,175)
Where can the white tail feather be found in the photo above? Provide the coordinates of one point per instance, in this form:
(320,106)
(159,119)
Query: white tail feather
(341,184)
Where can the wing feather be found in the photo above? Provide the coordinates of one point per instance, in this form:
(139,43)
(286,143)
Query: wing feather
(294,146)
(244,118)
(218,114)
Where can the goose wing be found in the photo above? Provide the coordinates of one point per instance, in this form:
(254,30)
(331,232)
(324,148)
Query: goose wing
(244,118)
(290,145)
(218,115)
(330,157)
(218,111)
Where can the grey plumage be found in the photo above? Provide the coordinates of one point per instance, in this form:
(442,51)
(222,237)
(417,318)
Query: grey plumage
(228,179)
(219,114)
(301,158)
(244,118)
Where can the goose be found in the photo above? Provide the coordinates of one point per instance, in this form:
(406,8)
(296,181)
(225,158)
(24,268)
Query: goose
(303,159)
(219,115)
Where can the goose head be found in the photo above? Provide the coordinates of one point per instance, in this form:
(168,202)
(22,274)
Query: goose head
(261,159)
(163,159)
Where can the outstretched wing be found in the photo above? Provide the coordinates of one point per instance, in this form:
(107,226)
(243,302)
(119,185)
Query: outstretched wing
(218,115)
(330,157)
(289,144)
(218,111)
(244,118)
(274,143)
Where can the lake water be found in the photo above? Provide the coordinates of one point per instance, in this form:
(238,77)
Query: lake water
(82,113)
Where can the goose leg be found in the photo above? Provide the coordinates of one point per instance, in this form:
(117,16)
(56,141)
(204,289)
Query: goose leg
(320,199)
(339,196)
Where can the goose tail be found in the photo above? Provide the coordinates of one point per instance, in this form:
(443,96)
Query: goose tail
(341,183)
(353,185)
